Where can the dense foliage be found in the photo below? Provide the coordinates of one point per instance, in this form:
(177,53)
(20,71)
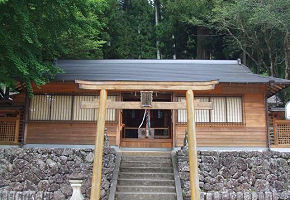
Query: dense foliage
(34,33)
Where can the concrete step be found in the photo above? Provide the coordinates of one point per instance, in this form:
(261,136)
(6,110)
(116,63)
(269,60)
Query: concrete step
(147,153)
(146,159)
(159,176)
(144,164)
(147,169)
(145,182)
(158,189)
(145,196)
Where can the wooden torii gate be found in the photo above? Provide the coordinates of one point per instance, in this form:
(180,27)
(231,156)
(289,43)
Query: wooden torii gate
(191,105)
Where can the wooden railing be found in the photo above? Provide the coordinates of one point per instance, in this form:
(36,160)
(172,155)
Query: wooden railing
(281,133)
(9,130)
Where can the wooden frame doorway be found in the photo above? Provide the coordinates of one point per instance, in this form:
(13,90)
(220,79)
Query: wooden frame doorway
(133,123)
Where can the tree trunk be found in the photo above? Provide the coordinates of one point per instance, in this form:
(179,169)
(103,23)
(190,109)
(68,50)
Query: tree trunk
(286,55)
(272,65)
(156,24)
(201,51)
(244,58)
(174,50)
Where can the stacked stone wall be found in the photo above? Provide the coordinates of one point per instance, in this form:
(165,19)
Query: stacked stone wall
(41,173)
(238,173)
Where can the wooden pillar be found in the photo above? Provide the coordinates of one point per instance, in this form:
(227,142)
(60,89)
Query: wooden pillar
(192,152)
(99,143)
(17,128)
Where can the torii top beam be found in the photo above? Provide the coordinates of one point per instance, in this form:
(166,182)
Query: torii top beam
(148,85)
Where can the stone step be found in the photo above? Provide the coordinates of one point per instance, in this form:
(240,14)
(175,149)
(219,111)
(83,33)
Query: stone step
(145,164)
(145,196)
(146,159)
(159,176)
(145,182)
(162,189)
(147,153)
(147,169)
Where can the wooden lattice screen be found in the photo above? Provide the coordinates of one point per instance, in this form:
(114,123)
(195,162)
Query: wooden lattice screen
(9,130)
(282,132)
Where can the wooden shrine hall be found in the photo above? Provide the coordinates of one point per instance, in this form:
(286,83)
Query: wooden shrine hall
(229,101)
(146,104)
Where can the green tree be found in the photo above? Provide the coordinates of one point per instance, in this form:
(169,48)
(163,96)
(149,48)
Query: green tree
(33,33)
(131,31)
(185,30)
(260,29)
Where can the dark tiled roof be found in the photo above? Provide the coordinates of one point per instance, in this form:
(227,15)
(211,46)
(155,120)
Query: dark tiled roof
(226,71)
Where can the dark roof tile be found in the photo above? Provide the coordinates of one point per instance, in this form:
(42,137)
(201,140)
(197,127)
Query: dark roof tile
(226,71)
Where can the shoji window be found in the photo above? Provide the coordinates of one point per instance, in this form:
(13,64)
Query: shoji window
(225,109)
(218,113)
(181,114)
(40,107)
(202,115)
(234,109)
(91,114)
(111,113)
(61,107)
(83,114)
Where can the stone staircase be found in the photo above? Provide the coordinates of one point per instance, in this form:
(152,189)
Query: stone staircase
(146,176)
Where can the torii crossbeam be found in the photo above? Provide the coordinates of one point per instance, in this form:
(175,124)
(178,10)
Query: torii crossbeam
(191,105)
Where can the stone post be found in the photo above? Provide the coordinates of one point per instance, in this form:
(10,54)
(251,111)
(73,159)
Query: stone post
(106,139)
(76,186)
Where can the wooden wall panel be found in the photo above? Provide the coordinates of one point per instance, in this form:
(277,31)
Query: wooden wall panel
(252,133)
(66,133)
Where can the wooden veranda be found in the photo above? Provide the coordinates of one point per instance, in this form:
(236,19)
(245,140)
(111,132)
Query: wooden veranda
(191,105)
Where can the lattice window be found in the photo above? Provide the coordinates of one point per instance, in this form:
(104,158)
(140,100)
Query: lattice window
(9,130)
(282,131)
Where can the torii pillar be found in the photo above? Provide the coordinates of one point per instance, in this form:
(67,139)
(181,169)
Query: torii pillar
(192,151)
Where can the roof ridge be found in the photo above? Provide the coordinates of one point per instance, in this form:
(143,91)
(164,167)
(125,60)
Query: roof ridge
(181,61)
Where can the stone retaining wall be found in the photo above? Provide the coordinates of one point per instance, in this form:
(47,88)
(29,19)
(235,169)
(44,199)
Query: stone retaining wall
(238,172)
(46,172)
(30,195)
(25,195)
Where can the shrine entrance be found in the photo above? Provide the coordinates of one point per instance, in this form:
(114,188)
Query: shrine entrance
(102,104)
(146,128)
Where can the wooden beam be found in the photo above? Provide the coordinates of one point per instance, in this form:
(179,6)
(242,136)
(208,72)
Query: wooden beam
(138,86)
(199,83)
(192,151)
(99,143)
(145,87)
(155,105)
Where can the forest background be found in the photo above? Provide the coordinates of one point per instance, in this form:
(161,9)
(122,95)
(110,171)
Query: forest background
(34,33)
